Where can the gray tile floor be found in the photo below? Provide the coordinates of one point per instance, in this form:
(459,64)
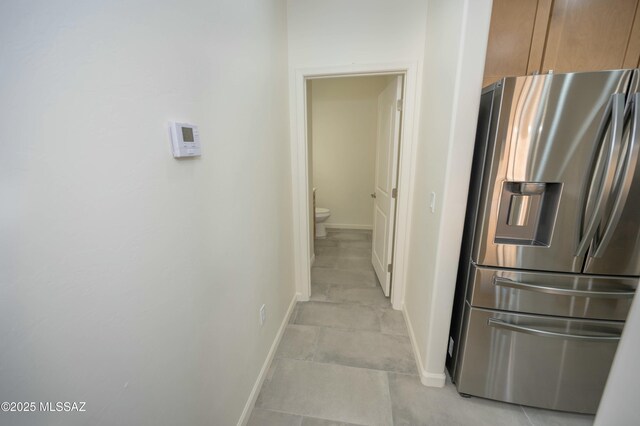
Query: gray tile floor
(346,359)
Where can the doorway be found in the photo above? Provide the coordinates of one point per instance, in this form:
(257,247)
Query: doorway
(353,138)
(302,178)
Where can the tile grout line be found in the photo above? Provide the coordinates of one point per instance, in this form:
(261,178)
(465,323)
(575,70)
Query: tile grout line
(349,366)
(352,303)
(358,269)
(315,344)
(359,330)
(350,328)
(389,395)
(303,416)
(282,412)
(527,416)
(372,285)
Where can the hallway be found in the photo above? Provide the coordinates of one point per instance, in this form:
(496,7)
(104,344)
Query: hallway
(346,358)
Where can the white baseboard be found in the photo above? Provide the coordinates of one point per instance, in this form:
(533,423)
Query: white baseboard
(348,226)
(248,407)
(435,380)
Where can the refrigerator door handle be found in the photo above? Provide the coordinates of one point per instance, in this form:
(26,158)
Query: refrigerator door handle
(628,170)
(505,282)
(496,323)
(617,122)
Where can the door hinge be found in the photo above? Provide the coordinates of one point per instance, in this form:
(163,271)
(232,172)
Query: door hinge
(399,104)
(390,268)
(394,193)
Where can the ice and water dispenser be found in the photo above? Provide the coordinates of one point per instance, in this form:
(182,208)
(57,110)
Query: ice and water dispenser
(527,213)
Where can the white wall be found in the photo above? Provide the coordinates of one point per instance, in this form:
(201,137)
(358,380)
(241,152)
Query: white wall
(337,32)
(619,405)
(128,279)
(345,120)
(456,39)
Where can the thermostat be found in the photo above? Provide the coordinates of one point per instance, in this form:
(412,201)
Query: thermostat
(185,140)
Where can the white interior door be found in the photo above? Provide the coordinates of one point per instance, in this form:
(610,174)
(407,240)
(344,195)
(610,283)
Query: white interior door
(388,139)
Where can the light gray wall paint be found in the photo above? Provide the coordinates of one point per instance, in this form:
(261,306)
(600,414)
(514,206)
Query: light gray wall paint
(128,279)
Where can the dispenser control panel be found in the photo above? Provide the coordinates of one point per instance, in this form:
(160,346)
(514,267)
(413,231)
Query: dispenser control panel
(185,140)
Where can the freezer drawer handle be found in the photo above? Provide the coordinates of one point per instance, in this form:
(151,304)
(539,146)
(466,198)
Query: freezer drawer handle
(492,322)
(505,282)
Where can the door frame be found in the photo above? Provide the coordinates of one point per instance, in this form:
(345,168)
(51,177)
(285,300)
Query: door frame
(300,172)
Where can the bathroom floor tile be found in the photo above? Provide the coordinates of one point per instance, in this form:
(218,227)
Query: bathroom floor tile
(350,263)
(354,263)
(348,235)
(362,244)
(325,242)
(325,262)
(344,252)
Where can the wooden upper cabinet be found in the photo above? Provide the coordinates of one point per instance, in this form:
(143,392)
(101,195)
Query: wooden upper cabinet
(587,35)
(510,34)
(535,36)
(632,57)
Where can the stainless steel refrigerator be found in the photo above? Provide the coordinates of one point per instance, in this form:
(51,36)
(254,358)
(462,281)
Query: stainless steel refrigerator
(550,256)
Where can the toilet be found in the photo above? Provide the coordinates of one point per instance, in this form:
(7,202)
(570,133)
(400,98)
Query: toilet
(322,215)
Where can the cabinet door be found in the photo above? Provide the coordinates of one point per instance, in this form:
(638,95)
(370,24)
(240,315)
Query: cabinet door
(510,33)
(632,57)
(588,35)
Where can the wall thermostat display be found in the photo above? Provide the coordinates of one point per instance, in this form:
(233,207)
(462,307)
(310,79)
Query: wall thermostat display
(185,140)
